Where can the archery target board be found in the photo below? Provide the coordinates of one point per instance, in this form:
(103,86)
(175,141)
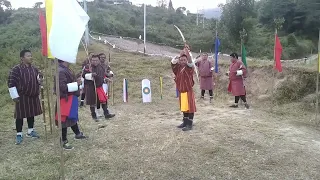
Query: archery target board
(146,91)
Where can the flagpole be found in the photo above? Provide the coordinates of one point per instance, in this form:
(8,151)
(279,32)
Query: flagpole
(317,83)
(216,79)
(87,28)
(62,173)
(273,71)
(144,28)
(241,41)
(48,91)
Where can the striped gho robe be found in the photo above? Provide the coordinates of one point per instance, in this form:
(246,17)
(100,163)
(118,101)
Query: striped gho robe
(25,79)
(184,83)
(93,93)
(66,76)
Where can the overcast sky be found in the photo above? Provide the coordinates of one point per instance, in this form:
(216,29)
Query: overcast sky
(192,5)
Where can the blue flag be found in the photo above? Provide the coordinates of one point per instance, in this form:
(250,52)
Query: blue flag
(216,50)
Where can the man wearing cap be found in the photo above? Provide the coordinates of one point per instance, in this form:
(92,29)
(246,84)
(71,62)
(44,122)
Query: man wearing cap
(183,69)
(237,71)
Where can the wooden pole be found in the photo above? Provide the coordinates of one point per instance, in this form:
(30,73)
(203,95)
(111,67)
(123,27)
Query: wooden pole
(62,175)
(317,83)
(47,74)
(51,92)
(273,71)
(43,109)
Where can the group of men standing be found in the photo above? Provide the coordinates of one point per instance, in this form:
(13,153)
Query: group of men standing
(183,68)
(25,79)
(24,87)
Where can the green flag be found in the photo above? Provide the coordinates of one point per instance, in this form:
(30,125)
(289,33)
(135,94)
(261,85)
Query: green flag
(244,55)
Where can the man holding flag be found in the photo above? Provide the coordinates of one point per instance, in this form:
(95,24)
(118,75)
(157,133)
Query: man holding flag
(69,88)
(66,23)
(237,71)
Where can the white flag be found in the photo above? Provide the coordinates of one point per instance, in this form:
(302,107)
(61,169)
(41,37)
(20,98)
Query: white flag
(146,91)
(69,21)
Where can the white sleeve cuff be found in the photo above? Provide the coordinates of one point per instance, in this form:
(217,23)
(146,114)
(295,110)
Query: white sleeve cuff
(88,76)
(82,85)
(111,72)
(72,87)
(13,92)
(190,64)
(239,72)
(174,61)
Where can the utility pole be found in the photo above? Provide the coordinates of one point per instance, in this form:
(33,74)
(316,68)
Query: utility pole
(197,17)
(87,28)
(203,17)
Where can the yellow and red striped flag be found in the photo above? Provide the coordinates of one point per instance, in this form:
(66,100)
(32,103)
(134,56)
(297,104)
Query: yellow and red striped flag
(49,5)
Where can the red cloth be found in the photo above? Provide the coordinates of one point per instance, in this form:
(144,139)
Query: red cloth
(65,107)
(101,95)
(43,30)
(277,54)
(236,85)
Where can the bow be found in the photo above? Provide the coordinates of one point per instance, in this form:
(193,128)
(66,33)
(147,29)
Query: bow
(185,43)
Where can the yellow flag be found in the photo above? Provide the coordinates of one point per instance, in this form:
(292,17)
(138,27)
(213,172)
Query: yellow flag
(160,87)
(49,4)
(184,105)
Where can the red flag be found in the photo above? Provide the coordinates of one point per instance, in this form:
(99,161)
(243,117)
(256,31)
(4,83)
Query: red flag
(43,30)
(277,54)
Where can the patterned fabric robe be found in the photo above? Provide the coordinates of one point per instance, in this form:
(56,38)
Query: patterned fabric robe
(66,76)
(236,85)
(184,83)
(206,79)
(90,89)
(24,78)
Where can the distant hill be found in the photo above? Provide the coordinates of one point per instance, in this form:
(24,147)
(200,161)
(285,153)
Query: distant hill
(212,13)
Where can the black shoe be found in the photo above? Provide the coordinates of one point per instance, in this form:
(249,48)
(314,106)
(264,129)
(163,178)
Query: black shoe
(188,126)
(211,98)
(81,104)
(108,116)
(80,136)
(183,124)
(246,105)
(234,106)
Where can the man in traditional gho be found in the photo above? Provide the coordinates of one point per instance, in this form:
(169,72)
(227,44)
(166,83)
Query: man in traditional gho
(205,68)
(108,77)
(86,62)
(183,68)
(237,71)
(24,88)
(94,75)
(69,87)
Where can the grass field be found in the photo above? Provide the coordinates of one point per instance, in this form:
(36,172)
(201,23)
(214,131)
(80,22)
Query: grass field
(142,142)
